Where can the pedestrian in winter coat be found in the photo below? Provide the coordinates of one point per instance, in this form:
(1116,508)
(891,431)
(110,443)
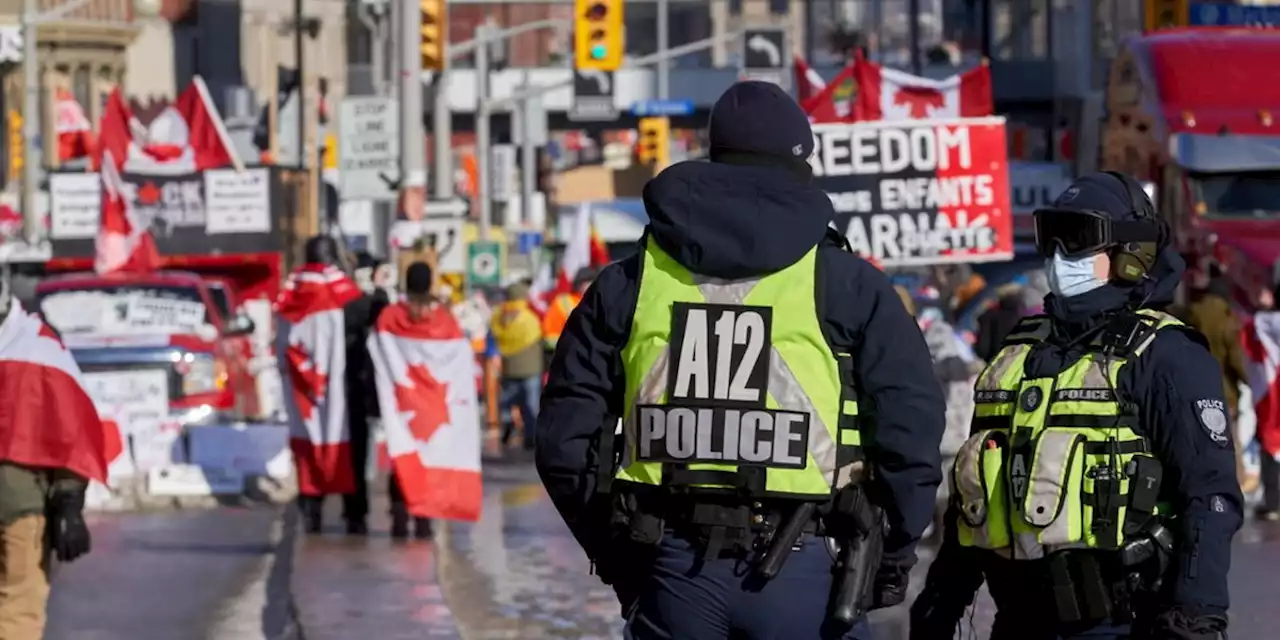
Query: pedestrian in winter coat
(1210,312)
(996,323)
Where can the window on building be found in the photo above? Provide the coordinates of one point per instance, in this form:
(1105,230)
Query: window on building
(82,86)
(780,7)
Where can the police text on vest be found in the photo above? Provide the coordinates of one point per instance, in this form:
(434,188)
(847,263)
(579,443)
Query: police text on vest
(754,436)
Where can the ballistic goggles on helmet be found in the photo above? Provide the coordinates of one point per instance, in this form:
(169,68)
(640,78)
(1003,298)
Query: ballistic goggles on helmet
(1078,233)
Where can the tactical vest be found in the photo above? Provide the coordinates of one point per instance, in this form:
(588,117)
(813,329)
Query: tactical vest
(732,386)
(1055,463)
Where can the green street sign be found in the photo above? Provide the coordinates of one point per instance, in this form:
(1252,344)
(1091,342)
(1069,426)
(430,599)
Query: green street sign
(484,263)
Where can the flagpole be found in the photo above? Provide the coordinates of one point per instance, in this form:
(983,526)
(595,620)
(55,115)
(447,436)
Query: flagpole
(53,149)
(270,76)
(218,124)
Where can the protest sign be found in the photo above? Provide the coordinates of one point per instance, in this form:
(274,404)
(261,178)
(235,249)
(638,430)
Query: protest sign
(918,192)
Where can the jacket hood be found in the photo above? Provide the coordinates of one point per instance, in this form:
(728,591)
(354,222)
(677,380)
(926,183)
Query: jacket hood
(731,221)
(1087,311)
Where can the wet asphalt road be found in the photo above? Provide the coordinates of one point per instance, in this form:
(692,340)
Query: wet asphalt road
(168,576)
(515,574)
(520,567)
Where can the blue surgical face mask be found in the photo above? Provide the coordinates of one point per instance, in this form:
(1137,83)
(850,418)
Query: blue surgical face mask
(1072,277)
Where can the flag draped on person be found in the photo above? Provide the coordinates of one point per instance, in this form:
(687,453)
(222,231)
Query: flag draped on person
(1262,348)
(49,419)
(424,369)
(311,350)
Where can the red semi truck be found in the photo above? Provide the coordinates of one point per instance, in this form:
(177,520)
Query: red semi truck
(1194,111)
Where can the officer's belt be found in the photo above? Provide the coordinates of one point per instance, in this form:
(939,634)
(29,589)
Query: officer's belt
(724,525)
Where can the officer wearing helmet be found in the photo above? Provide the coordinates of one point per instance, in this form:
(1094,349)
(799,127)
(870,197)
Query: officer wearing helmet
(1097,493)
(775,405)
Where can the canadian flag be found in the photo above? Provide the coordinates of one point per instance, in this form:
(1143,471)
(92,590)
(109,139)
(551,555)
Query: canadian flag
(1261,338)
(311,345)
(584,248)
(186,137)
(49,419)
(836,101)
(886,94)
(425,371)
(808,82)
(75,134)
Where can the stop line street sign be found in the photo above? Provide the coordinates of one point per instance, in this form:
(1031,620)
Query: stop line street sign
(368,148)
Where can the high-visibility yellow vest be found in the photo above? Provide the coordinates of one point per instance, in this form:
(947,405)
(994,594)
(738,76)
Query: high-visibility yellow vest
(1055,463)
(732,386)
(515,328)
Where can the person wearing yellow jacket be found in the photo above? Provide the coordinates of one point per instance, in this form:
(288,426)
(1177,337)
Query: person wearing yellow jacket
(517,330)
(563,305)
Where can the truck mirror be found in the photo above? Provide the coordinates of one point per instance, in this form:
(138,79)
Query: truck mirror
(240,325)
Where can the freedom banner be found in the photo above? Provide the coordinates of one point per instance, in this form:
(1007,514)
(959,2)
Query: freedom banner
(918,192)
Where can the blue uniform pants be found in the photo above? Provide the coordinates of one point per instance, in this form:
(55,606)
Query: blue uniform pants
(685,598)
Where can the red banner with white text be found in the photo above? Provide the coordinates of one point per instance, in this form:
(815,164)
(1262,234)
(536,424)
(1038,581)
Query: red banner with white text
(919,192)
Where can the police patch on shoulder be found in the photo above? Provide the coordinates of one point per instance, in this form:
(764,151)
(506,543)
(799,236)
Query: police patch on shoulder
(1213,417)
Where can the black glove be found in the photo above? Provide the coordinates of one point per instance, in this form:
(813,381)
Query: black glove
(890,587)
(68,534)
(1177,625)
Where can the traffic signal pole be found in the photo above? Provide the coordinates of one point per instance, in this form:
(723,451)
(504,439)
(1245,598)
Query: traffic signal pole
(413,159)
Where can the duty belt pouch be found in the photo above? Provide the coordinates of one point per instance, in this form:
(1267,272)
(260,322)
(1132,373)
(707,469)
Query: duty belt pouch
(635,523)
(1064,589)
(720,526)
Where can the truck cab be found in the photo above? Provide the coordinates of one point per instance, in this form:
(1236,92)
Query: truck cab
(1192,111)
(168,342)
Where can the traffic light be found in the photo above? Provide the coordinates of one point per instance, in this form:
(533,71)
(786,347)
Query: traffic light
(16,146)
(655,141)
(329,155)
(598,34)
(433,34)
(1167,14)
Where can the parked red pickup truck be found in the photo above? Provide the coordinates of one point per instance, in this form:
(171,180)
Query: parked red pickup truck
(170,341)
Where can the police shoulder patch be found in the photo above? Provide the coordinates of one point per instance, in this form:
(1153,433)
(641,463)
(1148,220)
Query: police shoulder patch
(1212,415)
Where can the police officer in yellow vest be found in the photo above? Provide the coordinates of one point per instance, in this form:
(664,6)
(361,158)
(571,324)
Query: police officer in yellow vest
(1097,493)
(774,404)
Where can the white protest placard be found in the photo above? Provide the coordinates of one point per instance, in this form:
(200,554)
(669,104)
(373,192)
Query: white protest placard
(237,201)
(156,445)
(148,313)
(75,204)
(130,398)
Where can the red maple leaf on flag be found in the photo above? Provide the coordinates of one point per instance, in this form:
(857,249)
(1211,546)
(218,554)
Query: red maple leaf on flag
(148,194)
(307,383)
(427,399)
(919,100)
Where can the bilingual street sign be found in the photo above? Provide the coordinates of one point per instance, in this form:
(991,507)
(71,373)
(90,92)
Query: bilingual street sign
(1207,14)
(368,148)
(593,96)
(662,108)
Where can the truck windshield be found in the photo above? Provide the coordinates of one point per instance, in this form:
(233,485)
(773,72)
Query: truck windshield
(125,309)
(1239,195)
